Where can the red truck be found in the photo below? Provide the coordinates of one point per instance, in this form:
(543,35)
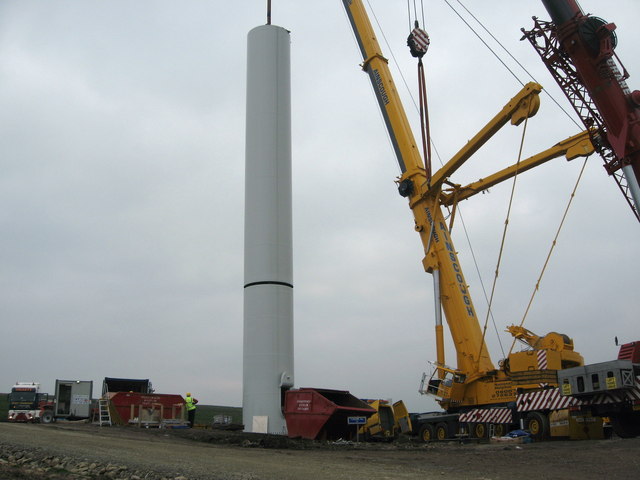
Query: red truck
(27,404)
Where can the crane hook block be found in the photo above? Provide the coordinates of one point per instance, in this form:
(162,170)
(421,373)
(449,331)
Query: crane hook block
(418,42)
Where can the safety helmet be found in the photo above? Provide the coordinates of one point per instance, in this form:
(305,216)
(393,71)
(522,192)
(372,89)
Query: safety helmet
(188,394)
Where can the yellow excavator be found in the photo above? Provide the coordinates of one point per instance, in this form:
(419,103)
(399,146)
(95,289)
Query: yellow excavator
(478,398)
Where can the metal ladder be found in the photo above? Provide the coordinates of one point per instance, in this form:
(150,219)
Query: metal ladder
(104,415)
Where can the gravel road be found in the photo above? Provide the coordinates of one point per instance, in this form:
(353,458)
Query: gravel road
(63,451)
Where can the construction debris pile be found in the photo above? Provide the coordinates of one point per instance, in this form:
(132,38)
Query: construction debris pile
(37,464)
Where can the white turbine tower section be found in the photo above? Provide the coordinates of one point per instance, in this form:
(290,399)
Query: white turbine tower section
(268,270)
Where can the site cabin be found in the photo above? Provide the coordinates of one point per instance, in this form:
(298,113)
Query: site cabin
(73,399)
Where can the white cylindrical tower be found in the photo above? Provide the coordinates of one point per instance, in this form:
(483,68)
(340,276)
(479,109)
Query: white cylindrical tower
(268,270)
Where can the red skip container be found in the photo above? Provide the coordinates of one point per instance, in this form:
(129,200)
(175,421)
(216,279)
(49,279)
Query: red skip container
(145,408)
(316,413)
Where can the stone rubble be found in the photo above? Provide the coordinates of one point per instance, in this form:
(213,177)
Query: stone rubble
(21,462)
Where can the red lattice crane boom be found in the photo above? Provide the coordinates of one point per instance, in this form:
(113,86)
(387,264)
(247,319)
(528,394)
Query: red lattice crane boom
(578,50)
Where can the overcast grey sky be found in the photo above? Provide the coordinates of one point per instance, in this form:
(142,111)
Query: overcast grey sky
(121,193)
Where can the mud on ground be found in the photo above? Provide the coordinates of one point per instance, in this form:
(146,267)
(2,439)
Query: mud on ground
(75,451)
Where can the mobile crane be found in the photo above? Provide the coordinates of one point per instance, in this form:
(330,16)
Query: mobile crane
(477,397)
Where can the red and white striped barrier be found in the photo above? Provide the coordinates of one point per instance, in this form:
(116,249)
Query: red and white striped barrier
(487,415)
(549,399)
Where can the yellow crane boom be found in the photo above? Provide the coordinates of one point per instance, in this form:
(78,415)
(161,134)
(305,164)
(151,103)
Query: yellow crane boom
(413,184)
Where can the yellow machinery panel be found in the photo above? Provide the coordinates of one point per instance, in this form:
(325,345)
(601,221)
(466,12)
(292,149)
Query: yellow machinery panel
(388,421)
(575,427)
(401,415)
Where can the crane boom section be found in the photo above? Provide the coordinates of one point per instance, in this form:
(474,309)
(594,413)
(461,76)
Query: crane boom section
(441,258)
(576,146)
(589,42)
(440,253)
(375,64)
(579,52)
(524,105)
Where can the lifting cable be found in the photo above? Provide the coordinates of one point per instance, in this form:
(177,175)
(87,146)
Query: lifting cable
(507,52)
(425,132)
(504,233)
(415,13)
(418,42)
(553,245)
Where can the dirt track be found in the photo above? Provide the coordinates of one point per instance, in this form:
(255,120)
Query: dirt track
(214,455)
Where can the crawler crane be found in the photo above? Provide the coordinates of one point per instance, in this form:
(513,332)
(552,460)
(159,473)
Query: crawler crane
(579,52)
(478,397)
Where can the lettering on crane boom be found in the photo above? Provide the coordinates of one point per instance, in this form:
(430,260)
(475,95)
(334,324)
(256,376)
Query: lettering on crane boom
(455,264)
(383,93)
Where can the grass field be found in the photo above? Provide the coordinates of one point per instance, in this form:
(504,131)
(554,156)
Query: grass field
(4,407)
(204,413)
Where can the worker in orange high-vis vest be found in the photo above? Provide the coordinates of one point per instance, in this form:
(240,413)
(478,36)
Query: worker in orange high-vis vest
(191,408)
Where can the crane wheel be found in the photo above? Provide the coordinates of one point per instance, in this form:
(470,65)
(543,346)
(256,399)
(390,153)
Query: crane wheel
(479,430)
(538,425)
(427,433)
(442,432)
(499,429)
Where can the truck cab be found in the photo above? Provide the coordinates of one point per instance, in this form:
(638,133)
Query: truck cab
(25,402)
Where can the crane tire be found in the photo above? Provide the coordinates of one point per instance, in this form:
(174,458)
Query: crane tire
(479,430)
(442,432)
(538,425)
(499,429)
(427,433)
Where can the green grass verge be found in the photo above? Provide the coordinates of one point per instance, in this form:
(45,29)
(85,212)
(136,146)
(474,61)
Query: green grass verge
(4,406)
(205,413)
